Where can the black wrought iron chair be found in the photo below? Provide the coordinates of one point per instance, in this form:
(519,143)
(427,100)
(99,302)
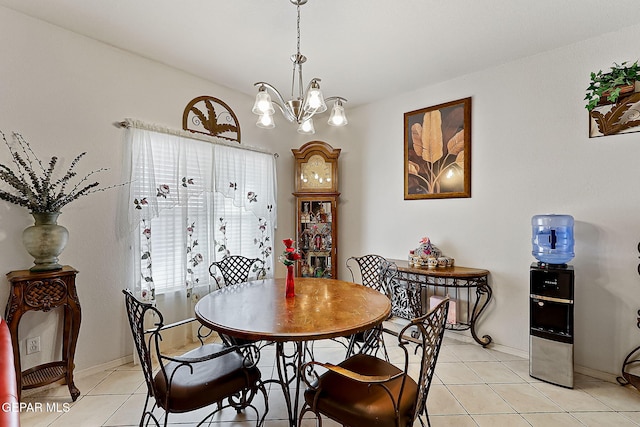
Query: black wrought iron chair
(367,391)
(236,269)
(207,375)
(375,272)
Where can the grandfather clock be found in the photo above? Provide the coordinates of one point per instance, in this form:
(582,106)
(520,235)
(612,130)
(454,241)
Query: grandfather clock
(316,193)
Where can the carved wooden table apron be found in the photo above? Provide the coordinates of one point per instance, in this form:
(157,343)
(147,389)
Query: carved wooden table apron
(415,284)
(44,291)
(322,308)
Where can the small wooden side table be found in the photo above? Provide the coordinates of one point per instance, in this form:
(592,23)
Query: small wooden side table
(43,291)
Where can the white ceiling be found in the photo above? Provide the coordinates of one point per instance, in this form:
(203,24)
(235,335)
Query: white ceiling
(363,50)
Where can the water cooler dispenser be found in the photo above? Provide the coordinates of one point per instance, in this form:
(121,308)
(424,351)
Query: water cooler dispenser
(551,300)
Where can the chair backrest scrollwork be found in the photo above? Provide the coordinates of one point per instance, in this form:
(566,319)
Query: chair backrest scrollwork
(427,333)
(375,272)
(136,313)
(236,269)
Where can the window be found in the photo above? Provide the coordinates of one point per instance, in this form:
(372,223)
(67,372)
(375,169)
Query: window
(192,202)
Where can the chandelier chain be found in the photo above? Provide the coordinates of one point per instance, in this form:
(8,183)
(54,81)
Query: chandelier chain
(301,108)
(298,27)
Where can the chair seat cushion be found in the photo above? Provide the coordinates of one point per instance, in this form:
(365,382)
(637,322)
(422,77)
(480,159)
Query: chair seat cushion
(210,381)
(362,404)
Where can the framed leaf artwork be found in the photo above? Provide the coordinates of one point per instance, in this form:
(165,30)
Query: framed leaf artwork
(437,151)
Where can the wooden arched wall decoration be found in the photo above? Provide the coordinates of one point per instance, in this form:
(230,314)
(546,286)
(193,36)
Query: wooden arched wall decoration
(211,116)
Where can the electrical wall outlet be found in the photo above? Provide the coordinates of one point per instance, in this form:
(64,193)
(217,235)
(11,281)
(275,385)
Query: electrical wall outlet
(33,345)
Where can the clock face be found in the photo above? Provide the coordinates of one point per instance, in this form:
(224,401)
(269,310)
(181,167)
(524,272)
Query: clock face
(316,174)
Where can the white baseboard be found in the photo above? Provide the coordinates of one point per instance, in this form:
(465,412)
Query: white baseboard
(104,367)
(604,376)
(460,336)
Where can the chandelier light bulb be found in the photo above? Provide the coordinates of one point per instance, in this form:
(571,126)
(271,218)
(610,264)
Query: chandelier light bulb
(314,101)
(265,121)
(306,127)
(263,104)
(337,117)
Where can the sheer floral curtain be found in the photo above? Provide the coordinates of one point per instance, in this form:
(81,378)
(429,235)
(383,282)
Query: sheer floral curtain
(192,202)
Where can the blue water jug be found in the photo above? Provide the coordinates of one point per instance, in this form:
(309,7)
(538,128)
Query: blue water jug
(552,238)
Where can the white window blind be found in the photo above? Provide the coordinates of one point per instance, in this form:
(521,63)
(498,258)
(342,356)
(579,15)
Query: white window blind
(192,202)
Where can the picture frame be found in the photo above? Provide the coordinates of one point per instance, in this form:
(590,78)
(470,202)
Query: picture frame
(437,151)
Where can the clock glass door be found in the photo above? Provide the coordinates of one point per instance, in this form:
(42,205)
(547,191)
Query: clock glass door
(316,237)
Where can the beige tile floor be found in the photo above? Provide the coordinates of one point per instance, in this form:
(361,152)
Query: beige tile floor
(473,386)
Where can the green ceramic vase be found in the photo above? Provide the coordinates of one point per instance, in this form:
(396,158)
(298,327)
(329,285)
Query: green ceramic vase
(45,240)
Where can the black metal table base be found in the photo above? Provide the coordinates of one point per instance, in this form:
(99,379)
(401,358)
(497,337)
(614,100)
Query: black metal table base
(289,364)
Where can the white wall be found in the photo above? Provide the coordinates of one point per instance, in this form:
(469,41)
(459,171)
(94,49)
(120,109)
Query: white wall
(530,155)
(63,92)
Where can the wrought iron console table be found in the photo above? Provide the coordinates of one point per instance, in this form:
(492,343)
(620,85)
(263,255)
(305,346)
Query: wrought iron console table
(414,286)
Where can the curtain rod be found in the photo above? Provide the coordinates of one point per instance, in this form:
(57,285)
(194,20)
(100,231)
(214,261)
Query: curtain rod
(138,124)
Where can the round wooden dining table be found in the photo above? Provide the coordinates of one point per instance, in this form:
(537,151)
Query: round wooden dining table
(321,309)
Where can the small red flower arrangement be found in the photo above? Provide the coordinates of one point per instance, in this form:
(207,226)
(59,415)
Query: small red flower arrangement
(290,254)
(289,258)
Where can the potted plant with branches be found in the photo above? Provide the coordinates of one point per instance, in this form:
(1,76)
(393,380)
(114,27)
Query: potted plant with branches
(609,86)
(33,184)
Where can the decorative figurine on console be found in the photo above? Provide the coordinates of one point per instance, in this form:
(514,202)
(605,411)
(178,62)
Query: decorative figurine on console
(427,249)
(428,255)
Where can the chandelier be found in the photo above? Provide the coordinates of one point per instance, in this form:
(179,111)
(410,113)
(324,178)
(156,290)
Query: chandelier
(303,105)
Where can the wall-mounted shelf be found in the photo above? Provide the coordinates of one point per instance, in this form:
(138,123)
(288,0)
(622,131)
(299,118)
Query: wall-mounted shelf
(614,118)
